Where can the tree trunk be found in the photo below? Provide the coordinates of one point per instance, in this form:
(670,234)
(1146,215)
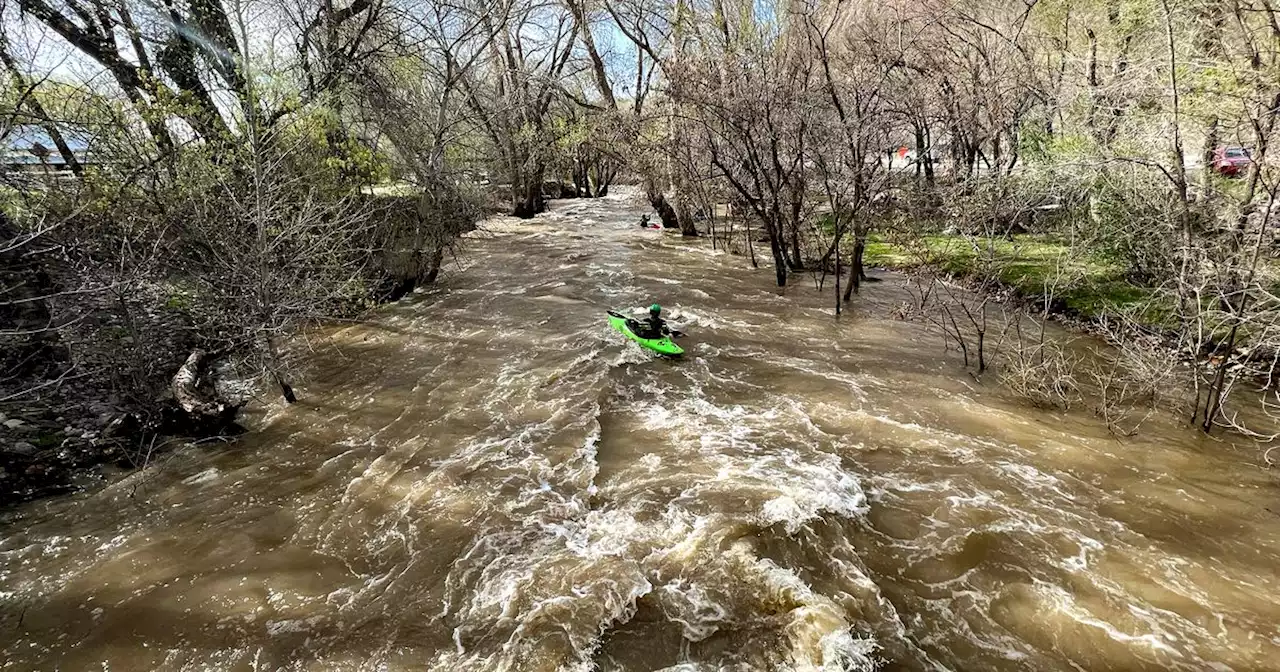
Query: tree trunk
(1215,393)
(675,130)
(433,271)
(856,271)
(597,63)
(837,250)
(659,202)
(796,213)
(684,217)
(273,365)
(982,347)
(665,212)
(797,263)
(527,198)
(1213,19)
(602,176)
(1206,156)
(55,134)
(286,390)
(778,246)
(922,167)
(779,249)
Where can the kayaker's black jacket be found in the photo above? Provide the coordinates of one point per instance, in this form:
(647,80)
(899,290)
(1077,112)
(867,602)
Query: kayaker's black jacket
(654,327)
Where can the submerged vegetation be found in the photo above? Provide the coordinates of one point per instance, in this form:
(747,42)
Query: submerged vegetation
(1107,161)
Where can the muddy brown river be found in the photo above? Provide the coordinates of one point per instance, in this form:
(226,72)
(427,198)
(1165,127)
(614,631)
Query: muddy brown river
(488,478)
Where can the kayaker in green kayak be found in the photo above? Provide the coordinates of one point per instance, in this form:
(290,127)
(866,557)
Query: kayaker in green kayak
(652,333)
(655,326)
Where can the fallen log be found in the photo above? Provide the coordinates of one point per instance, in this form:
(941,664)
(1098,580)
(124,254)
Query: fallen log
(188,396)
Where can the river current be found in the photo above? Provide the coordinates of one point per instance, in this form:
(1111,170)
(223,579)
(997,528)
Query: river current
(486,477)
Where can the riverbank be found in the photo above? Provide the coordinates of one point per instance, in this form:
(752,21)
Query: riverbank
(54,449)
(106,366)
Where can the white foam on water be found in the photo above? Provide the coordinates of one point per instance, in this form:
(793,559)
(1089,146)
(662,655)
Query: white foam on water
(658,416)
(514,580)
(1156,641)
(698,614)
(820,638)
(813,485)
(1080,561)
(712,320)
(114,543)
(529,582)
(1030,475)
(901,483)
(651,461)
(277,628)
(630,352)
(662,279)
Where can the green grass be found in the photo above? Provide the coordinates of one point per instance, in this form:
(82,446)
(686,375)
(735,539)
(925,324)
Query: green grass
(1033,266)
(880,253)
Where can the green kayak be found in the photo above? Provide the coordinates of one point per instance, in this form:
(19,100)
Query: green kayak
(662,346)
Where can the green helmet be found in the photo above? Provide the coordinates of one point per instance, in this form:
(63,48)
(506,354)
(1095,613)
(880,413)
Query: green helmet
(655,309)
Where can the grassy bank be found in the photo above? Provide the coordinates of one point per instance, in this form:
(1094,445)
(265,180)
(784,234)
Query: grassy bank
(1035,267)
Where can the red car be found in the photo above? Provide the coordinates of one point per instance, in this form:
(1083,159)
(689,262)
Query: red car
(1231,161)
